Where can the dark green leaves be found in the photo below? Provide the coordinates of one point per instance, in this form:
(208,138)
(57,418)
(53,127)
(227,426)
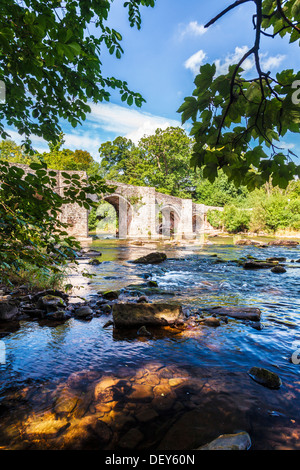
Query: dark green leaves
(237,123)
(51,64)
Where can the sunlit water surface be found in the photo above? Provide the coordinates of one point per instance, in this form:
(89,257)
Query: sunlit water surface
(42,357)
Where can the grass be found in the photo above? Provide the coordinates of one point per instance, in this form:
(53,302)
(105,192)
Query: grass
(36,279)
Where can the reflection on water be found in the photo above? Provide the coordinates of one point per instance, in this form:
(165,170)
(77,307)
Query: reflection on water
(82,385)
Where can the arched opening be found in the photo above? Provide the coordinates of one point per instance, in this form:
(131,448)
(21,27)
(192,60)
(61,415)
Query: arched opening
(167,221)
(114,216)
(198,221)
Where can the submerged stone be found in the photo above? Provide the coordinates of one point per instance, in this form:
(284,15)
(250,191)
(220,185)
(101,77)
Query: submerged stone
(240,313)
(265,377)
(140,314)
(239,441)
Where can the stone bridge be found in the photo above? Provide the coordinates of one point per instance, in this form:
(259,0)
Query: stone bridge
(142,212)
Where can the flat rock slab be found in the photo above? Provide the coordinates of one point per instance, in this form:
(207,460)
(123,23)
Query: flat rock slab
(156,314)
(283,243)
(258,265)
(240,313)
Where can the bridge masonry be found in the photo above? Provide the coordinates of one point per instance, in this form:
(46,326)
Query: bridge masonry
(143,213)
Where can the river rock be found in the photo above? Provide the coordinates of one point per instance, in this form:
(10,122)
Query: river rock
(83,312)
(95,262)
(8,310)
(265,377)
(58,315)
(239,441)
(211,321)
(110,295)
(245,241)
(240,313)
(278,269)
(50,303)
(283,243)
(258,265)
(151,258)
(156,314)
(54,292)
(143,331)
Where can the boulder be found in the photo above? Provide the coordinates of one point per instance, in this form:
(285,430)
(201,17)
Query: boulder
(83,312)
(50,303)
(8,310)
(245,241)
(140,314)
(110,295)
(278,269)
(265,377)
(211,321)
(151,258)
(55,292)
(240,313)
(239,441)
(259,264)
(58,315)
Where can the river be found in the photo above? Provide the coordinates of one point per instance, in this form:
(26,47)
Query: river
(199,376)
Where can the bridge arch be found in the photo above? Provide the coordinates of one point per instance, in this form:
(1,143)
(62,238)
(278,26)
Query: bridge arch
(123,211)
(168,219)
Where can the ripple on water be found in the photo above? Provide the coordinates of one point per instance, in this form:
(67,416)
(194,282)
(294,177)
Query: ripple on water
(38,354)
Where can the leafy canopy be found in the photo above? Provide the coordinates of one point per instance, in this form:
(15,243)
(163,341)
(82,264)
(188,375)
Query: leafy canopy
(238,123)
(50,62)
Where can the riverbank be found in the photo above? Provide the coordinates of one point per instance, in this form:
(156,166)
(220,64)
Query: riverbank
(86,382)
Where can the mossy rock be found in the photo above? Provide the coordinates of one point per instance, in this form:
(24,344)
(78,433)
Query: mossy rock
(265,377)
(151,258)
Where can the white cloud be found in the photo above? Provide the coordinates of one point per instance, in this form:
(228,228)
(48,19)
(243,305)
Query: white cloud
(272,62)
(193,28)
(234,58)
(193,63)
(267,63)
(285,145)
(127,122)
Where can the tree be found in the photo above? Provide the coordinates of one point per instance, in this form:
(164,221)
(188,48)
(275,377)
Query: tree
(65,159)
(30,227)
(50,62)
(238,122)
(161,160)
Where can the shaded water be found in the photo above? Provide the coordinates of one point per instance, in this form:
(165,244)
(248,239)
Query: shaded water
(176,390)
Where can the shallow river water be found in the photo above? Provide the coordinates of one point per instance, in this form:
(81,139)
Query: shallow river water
(79,385)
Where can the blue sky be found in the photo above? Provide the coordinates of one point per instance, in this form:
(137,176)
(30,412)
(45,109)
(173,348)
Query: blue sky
(160,61)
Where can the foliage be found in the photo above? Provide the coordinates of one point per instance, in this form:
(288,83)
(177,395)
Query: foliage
(161,160)
(51,62)
(30,205)
(238,123)
(232,219)
(265,210)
